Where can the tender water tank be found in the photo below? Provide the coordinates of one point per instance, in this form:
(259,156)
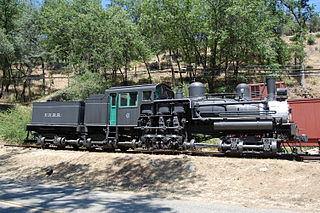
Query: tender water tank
(197,90)
(242,91)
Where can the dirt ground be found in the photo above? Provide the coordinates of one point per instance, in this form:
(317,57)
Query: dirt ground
(265,183)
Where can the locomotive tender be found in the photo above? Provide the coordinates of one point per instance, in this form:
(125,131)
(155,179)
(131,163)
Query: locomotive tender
(153,117)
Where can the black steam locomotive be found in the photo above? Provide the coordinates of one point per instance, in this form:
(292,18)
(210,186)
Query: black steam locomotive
(153,117)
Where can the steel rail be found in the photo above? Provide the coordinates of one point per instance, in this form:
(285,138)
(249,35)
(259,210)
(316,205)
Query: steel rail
(281,156)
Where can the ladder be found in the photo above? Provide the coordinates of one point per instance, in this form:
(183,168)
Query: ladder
(112,134)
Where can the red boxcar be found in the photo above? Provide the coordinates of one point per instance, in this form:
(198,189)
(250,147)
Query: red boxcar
(306,114)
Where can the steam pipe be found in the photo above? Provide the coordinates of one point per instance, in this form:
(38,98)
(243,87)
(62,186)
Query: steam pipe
(271,86)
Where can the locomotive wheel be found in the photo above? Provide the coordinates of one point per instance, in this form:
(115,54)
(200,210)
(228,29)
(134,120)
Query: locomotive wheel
(41,141)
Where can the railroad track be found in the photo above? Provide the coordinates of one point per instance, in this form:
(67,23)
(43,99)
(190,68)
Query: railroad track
(283,156)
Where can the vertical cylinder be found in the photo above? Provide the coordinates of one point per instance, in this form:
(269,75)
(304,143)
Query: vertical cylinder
(271,87)
(197,90)
(179,93)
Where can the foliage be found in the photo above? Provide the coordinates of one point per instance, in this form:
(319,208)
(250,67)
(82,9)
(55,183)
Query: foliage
(87,36)
(318,35)
(85,85)
(218,36)
(311,40)
(314,24)
(184,87)
(301,12)
(289,82)
(12,124)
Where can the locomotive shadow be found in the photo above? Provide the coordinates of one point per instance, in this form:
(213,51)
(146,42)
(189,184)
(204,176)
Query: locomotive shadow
(158,176)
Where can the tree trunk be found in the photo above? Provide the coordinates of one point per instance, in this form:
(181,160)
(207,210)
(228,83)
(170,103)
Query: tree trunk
(44,75)
(29,84)
(126,67)
(159,62)
(123,77)
(173,78)
(213,61)
(179,67)
(23,93)
(303,79)
(8,81)
(148,69)
(114,75)
(226,69)
(2,83)
(15,84)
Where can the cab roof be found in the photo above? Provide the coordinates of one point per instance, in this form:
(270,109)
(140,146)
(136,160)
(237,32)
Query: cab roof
(136,88)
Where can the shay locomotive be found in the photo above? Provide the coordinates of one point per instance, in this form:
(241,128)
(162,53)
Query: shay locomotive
(153,117)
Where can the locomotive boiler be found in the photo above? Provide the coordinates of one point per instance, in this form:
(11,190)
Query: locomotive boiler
(153,117)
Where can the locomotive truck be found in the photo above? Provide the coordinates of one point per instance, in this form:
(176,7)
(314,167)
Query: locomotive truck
(152,116)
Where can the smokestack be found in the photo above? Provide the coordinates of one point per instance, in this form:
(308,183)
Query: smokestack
(271,87)
(179,93)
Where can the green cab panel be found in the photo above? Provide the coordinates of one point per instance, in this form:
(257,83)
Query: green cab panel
(113,109)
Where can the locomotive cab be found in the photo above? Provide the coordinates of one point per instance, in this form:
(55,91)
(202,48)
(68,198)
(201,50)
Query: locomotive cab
(125,103)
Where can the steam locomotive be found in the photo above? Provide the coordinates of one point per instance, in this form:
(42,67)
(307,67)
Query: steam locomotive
(154,117)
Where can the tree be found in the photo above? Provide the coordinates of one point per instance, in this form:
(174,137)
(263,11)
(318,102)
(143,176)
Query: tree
(28,50)
(89,37)
(314,23)
(217,35)
(9,11)
(301,12)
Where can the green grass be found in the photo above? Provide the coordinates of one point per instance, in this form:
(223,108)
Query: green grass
(12,124)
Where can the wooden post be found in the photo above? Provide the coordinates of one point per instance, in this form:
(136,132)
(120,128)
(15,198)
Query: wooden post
(303,79)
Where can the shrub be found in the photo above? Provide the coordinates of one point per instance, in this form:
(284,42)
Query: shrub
(293,38)
(318,35)
(311,40)
(222,89)
(289,82)
(185,88)
(85,85)
(13,122)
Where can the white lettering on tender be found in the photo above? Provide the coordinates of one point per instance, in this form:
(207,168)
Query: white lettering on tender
(52,114)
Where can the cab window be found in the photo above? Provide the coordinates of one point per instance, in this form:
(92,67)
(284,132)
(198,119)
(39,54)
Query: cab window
(129,99)
(146,95)
(133,99)
(124,99)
